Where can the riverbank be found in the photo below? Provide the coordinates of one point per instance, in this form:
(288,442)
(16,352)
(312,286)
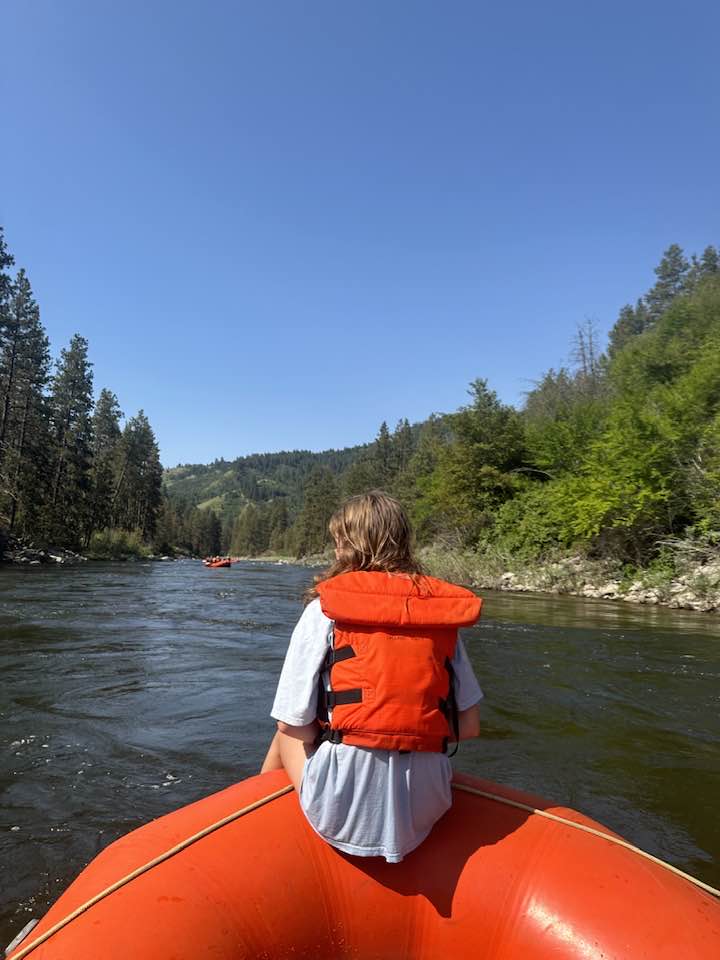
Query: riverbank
(694,587)
(30,555)
(27,553)
(690,585)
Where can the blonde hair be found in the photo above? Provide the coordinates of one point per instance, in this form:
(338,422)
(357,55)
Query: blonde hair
(371,532)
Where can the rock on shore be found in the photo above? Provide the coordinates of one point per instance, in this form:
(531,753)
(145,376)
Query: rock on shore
(696,589)
(33,556)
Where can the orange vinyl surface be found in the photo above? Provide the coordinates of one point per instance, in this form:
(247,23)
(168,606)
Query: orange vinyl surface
(491,881)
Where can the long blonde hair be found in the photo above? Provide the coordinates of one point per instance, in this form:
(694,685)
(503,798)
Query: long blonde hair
(371,532)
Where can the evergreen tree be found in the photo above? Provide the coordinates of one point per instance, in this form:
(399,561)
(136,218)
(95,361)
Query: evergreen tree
(374,470)
(403,446)
(707,265)
(71,455)
(250,533)
(24,363)
(28,460)
(106,438)
(138,481)
(709,262)
(630,323)
(672,274)
(207,531)
(321,501)
(6,260)
(167,536)
(384,456)
(476,473)
(277,524)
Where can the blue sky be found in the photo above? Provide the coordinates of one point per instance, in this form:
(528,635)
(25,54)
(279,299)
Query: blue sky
(280,223)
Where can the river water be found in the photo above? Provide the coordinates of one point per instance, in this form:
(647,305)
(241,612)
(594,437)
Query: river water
(131,689)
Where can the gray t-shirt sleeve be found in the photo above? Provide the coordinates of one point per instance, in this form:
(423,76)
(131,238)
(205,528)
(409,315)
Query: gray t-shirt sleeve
(467,689)
(297,692)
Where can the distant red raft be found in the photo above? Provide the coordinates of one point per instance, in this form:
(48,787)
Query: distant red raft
(217,563)
(495,879)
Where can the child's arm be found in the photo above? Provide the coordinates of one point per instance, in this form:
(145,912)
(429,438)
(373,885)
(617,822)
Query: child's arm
(467,694)
(469,723)
(295,705)
(308,733)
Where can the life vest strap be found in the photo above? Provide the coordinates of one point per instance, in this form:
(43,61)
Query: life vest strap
(337,656)
(333,736)
(338,698)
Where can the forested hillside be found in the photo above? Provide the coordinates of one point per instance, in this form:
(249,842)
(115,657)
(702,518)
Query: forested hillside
(614,454)
(71,475)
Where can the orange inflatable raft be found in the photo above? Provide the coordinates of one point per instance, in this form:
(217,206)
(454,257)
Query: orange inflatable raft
(495,879)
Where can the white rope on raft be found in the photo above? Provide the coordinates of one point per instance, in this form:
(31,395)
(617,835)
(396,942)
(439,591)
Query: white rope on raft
(145,867)
(591,830)
(279,793)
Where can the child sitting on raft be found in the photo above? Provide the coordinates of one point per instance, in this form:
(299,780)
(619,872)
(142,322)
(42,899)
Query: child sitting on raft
(375,685)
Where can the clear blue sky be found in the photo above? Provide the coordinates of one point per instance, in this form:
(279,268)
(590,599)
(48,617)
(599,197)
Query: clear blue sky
(280,223)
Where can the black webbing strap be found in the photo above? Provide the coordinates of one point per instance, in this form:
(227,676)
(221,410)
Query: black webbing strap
(449,707)
(337,656)
(332,657)
(334,736)
(338,698)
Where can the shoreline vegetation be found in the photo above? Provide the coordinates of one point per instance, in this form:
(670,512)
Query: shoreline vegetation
(604,483)
(693,583)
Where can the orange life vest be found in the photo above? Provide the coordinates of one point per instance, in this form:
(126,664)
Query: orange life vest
(390,665)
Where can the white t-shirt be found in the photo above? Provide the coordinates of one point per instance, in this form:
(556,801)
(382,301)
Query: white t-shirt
(363,801)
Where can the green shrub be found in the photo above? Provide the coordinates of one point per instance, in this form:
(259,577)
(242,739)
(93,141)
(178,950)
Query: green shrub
(112,544)
(534,524)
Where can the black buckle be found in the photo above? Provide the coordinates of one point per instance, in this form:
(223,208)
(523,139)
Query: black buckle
(332,736)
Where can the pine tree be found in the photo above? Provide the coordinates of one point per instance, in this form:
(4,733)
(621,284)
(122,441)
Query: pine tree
(709,262)
(24,362)
(67,511)
(250,535)
(6,260)
(475,474)
(707,265)
(375,469)
(105,443)
(403,445)
(672,274)
(630,323)
(383,456)
(277,524)
(166,528)
(28,467)
(321,501)
(138,478)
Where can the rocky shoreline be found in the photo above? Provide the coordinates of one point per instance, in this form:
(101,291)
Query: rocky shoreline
(696,588)
(27,554)
(35,556)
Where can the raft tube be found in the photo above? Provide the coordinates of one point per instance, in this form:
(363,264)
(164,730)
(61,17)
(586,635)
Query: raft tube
(493,880)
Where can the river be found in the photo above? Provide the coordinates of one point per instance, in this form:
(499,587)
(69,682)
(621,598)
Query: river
(131,689)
